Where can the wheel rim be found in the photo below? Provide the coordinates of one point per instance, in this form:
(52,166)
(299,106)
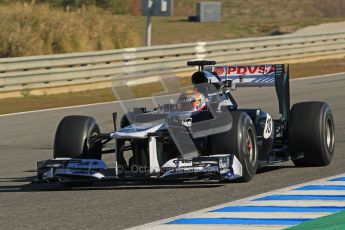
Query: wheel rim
(250,147)
(329,134)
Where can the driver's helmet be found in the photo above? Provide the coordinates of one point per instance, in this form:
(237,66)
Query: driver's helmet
(192,101)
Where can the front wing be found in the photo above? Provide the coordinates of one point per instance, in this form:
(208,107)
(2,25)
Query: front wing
(220,167)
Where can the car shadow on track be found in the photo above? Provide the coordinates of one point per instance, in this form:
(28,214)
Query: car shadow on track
(273,168)
(16,179)
(107,185)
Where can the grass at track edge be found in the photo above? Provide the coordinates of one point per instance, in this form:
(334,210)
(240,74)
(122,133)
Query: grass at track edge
(331,222)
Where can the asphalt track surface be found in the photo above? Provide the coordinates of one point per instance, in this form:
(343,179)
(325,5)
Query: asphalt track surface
(28,137)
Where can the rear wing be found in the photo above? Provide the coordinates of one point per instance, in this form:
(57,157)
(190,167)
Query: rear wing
(258,76)
(249,75)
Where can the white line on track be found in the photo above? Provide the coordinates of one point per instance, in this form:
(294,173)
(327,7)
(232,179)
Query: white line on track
(110,102)
(261,215)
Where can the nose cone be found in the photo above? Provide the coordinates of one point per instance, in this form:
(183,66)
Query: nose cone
(136,131)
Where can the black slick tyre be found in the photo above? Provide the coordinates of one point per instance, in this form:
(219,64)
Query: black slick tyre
(75,138)
(311,133)
(241,141)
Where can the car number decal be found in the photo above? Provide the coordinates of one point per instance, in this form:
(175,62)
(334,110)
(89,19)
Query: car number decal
(268,127)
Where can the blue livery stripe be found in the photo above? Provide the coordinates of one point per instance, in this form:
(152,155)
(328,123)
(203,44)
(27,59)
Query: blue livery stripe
(322,187)
(241,221)
(338,179)
(279,209)
(302,197)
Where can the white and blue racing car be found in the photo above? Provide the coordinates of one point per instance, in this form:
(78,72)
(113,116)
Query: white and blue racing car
(203,135)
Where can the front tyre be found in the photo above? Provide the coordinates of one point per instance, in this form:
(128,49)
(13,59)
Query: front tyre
(75,137)
(311,133)
(241,141)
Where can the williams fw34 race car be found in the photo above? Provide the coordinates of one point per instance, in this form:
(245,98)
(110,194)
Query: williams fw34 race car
(202,135)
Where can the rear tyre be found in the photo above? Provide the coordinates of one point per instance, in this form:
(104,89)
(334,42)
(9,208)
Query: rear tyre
(75,138)
(311,133)
(241,141)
